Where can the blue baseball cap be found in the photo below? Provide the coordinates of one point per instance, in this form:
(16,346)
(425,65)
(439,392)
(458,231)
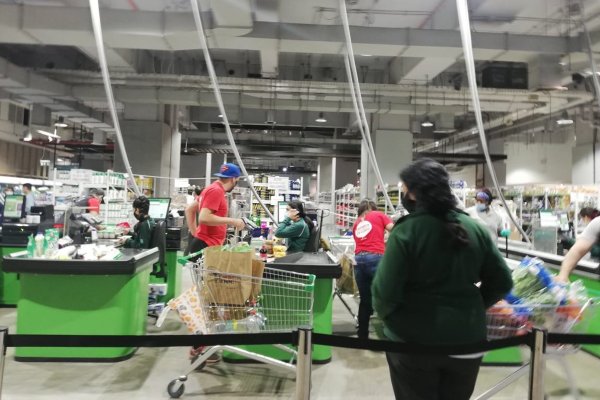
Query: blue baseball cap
(229,170)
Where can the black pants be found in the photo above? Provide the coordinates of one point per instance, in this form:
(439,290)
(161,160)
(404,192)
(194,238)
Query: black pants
(190,239)
(195,246)
(432,377)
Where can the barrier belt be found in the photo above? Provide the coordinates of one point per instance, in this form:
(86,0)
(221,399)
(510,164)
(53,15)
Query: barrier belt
(21,340)
(411,348)
(148,341)
(572,338)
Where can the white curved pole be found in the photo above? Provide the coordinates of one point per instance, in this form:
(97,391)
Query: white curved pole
(97,26)
(217,92)
(465,32)
(358,103)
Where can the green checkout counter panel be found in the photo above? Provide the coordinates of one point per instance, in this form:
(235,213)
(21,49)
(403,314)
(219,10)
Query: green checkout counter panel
(326,268)
(76,297)
(10,284)
(587,271)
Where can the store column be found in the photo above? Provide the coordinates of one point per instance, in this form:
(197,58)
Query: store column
(153,144)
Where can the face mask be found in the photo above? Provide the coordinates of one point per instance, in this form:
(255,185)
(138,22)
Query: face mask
(481,207)
(292,213)
(9,193)
(409,204)
(582,223)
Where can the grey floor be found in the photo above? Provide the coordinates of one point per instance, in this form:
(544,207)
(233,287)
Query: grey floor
(351,374)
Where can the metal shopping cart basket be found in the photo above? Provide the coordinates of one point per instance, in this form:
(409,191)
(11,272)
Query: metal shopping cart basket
(273,301)
(508,320)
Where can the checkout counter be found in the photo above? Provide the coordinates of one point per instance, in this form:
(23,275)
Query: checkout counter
(13,239)
(76,297)
(587,271)
(326,268)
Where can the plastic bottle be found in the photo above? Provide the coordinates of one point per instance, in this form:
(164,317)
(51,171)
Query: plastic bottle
(39,245)
(30,247)
(263,253)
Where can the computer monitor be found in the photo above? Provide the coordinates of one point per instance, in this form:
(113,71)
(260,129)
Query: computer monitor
(548,219)
(281,210)
(14,207)
(159,207)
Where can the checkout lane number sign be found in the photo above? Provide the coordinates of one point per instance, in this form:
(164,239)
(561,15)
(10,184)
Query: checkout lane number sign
(363,229)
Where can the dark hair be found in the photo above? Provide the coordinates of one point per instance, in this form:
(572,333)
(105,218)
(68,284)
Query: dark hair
(142,203)
(27,185)
(366,205)
(589,212)
(198,191)
(429,182)
(487,192)
(297,205)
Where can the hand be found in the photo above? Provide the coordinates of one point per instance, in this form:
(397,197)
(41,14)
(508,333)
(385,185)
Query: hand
(562,279)
(239,224)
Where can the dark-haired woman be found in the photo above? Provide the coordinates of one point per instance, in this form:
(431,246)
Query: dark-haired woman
(296,227)
(142,231)
(369,230)
(425,288)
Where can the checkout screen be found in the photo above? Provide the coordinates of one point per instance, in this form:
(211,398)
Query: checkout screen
(159,208)
(13,206)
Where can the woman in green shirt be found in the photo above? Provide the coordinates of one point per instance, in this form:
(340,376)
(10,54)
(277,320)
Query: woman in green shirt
(296,227)
(425,289)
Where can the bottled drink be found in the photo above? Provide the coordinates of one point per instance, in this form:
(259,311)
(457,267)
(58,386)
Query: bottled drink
(263,253)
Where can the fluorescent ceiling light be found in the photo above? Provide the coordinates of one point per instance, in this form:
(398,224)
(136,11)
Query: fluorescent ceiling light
(28,137)
(284,169)
(220,115)
(427,123)
(321,118)
(49,135)
(437,144)
(60,123)
(358,171)
(564,119)
(314,175)
(366,55)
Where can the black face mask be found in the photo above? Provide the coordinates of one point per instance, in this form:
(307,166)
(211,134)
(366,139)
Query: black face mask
(409,204)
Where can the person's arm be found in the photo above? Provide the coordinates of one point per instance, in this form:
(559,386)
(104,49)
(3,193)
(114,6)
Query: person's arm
(496,279)
(390,278)
(287,229)
(142,239)
(190,216)
(581,247)
(208,218)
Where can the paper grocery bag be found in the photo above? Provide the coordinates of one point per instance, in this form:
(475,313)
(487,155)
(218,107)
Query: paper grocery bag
(258,267)
(231,281)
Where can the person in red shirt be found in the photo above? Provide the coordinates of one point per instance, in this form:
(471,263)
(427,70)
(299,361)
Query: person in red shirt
(368,231)
(94,200)
(211,207)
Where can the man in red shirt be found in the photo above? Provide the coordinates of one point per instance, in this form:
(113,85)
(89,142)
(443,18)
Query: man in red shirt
(212,210)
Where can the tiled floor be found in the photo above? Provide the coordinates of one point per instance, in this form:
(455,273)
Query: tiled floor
(351,374)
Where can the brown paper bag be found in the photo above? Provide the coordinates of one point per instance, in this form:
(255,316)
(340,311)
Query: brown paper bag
(258,267)
(234,289)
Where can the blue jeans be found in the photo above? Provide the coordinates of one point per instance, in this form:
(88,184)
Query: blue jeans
(364,272)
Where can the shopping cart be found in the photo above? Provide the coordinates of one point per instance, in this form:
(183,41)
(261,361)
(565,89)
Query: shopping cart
(342,247)
(510,320)
(274,301)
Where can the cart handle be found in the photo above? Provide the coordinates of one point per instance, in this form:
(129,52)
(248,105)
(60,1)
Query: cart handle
(183,260)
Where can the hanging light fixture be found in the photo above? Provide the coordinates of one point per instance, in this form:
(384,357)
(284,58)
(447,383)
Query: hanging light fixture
(427,122)
(564,119)
(60,123)
(27,137)
(321,119)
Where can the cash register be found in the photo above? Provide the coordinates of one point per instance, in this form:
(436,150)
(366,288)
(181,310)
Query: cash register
(14,232)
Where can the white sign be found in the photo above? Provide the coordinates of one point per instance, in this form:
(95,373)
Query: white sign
(279,183)
(182,183)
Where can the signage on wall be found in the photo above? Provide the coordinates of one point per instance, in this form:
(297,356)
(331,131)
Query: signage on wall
(278,183)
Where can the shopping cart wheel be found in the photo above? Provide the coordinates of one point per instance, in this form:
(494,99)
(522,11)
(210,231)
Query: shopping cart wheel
(175,388)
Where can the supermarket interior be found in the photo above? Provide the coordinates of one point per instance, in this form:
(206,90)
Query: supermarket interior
(197,167)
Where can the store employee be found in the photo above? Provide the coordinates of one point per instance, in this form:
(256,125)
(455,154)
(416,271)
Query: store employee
(588,238)
(29,197)
(142,231)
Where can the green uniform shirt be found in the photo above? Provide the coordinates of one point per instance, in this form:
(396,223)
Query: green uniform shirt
(297,234)
(142,235)
(424,289)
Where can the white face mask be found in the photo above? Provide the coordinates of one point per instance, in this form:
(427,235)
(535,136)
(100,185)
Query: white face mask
(292,213)
(481,207)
